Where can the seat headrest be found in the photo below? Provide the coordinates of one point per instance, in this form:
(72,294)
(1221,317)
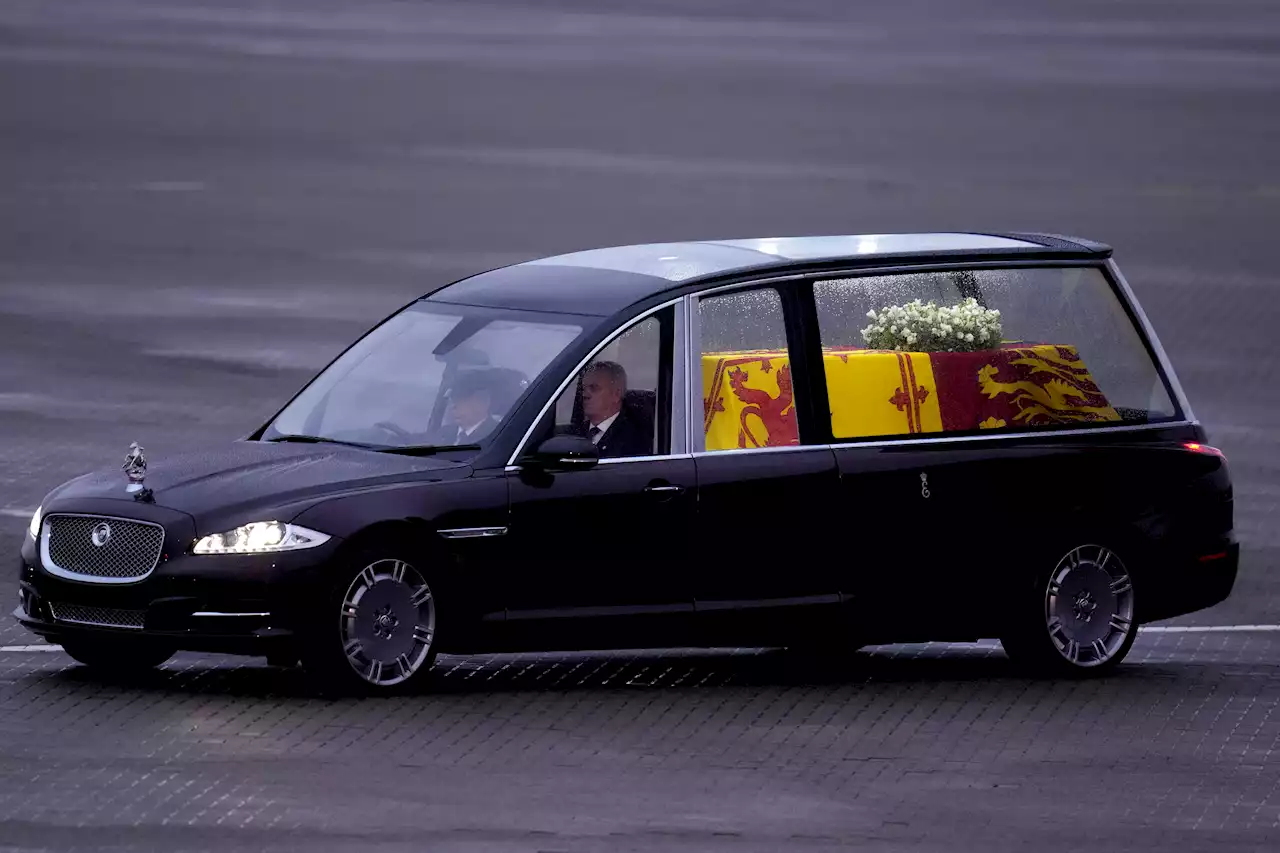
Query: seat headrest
(641,404)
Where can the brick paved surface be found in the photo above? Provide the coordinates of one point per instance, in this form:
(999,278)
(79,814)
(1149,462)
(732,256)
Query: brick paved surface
(905,748)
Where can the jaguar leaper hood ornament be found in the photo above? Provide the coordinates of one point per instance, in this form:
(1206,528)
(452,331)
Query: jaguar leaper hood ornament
(135,468)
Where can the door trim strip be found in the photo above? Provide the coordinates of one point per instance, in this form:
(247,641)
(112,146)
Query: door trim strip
(472,532)
(599,610)
(755,603)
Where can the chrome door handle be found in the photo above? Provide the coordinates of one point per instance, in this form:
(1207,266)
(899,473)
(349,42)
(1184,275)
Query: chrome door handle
(664,488)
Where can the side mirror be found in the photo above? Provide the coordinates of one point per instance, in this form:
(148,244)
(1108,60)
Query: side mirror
(566,453)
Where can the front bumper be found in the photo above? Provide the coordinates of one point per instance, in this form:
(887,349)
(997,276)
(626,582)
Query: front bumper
(235,604)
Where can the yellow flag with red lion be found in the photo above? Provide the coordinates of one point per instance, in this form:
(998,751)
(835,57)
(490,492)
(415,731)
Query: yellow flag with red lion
(749,396)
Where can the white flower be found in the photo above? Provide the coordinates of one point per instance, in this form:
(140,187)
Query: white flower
(932,328)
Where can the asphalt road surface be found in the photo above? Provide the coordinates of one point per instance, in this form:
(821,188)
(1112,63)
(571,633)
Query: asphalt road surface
(202,202)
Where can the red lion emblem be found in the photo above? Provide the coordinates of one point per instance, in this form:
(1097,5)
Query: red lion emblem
(776,414)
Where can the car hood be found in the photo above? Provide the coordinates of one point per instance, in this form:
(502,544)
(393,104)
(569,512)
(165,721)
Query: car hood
(254,473)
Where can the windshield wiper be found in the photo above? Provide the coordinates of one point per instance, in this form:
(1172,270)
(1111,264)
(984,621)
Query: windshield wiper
(427,449)
(317,439)
(408,450)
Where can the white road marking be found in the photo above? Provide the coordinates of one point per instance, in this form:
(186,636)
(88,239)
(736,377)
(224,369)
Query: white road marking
(18,513)
(1157,629)
(1208,629)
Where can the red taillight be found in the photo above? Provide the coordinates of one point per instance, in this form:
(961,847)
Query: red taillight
(1205,449)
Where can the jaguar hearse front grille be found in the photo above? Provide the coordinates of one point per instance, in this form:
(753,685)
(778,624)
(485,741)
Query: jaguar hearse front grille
(101,549)
(107,617)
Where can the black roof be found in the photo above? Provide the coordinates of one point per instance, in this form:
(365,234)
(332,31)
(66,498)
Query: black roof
(601,281)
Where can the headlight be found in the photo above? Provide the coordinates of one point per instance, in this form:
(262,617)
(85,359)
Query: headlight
(260,537)
(34,527)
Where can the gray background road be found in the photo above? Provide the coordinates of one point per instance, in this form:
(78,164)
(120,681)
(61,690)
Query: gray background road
(202,202)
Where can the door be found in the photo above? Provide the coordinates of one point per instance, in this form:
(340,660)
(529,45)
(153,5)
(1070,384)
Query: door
(599,557)
(901,485)
(767,484)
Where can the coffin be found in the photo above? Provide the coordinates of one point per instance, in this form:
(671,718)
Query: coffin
(749,398)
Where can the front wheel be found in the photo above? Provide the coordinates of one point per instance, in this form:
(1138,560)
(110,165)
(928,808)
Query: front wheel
(118,655)
(1079,621)
(377,634)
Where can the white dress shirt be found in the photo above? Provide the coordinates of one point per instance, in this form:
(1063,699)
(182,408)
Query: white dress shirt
(603,426)
(464,434)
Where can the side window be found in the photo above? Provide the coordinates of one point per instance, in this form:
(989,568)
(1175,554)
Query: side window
(978,350)
(747,392)
(620,399)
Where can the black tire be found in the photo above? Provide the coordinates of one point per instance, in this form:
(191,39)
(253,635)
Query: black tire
(1038,647)
(118,655)
(363,604)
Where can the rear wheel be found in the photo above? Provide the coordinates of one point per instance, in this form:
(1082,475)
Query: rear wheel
(119,655)
(1080,618)
(377,631)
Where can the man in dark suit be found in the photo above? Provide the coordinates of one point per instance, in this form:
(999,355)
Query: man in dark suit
(604,385)
(470,403)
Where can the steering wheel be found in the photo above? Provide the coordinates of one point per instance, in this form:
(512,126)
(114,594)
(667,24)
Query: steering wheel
(394,429)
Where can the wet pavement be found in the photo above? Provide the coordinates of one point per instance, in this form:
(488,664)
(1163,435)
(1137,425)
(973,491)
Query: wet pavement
(201,203)
(903,748)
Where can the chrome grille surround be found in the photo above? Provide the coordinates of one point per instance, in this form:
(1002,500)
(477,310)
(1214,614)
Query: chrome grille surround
(130,554)
(105,617)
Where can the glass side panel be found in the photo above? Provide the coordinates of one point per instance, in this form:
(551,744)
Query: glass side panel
(1006,349)
(617,399)
(744,363)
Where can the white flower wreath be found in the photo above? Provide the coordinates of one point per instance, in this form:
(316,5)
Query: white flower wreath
(928,327)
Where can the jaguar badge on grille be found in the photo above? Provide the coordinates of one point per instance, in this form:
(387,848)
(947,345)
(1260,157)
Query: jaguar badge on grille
(101,534)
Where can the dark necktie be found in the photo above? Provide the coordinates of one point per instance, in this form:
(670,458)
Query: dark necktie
(593,432)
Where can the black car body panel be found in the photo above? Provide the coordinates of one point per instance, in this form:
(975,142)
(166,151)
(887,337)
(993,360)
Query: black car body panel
(232,484)
(897,538)
(990,513)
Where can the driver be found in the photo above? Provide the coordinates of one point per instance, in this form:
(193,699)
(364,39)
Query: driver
(471,399)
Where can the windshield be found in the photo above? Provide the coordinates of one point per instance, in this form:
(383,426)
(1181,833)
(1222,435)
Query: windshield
(434,374)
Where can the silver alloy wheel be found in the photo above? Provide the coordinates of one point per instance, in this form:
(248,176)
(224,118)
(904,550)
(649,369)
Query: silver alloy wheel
(388,622)
(1088,606)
